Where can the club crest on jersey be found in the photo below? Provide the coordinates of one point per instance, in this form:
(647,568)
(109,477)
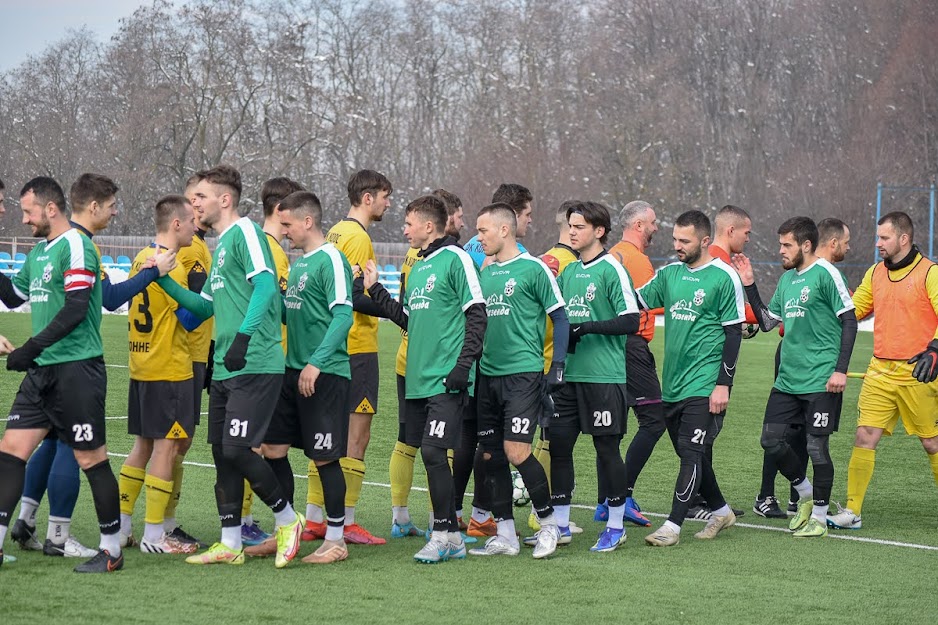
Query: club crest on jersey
(431,281)
(699,296)
(496,305)
(577,308)
(804,294)
(302,283)
(47,272)
(591,292)
(221,258)
(510,287)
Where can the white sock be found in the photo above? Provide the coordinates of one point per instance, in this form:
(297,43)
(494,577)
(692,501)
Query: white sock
(616,517)
(285,516)
(479,515)
(819,513)
(562,514)
(3,533)
(28,509)
(152,532)
(400,515)
(335,532)
(111,543)
(349,516)
(169,524)
(506,529)
(454,537)
(548,520)
(231,538)
(459,514)
(313,513)
(439,536)
(804,488)
(247,520)
(127,527)
(58,530)
(673,526)
(723,510)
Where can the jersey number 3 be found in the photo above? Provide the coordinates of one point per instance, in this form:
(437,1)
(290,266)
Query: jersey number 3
(144,309)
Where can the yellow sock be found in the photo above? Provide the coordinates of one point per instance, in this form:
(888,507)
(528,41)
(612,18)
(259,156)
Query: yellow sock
(450,454)
(354,470)
(248,500)
(130,482)
(158,495)
(933,461)
(401,471)
(178,469)
(314,495)
(859,474)
(542,454)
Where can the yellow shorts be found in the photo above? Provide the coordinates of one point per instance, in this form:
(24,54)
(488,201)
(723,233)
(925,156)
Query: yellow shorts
(882,402)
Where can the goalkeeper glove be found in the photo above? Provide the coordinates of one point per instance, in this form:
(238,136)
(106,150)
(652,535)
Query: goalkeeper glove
(926,363)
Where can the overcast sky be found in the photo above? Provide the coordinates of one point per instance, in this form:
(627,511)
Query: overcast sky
(28,26)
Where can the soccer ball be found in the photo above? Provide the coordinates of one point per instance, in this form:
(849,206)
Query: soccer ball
(750,330)
(519,492)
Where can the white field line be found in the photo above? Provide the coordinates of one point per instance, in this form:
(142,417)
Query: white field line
(766,528)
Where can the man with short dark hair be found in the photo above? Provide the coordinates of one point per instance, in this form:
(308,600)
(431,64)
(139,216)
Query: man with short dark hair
(703,300)
(240,292)
(520,199)
(902,293)
(369,195)
(53,465)
(813,301)
(444,314)
(160,396)
(602,309)
(65,384)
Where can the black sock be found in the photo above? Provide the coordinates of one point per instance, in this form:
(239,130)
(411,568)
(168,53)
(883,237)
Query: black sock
(769,471)
(613,467)
(229,489)
(12,478)
(258,474)
(498,476)
(562,442)
(284,472)
(481,494)
(440,483)
(464,460)
(333,492)
(650,428)
(106,495)
(535,480)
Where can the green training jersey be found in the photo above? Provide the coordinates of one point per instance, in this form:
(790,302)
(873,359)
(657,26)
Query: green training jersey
(809,302)
(440,288)
(698,302)
(519,294)
(597,291)
(319,282)
(53,268)
(242,253)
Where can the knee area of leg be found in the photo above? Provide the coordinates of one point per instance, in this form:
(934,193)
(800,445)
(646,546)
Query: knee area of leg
(606,446)
(233,453)
(818,449)
(773,438)
(433,456)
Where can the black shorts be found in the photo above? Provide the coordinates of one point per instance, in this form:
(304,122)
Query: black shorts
(508,407)
(595,409)
(66,398)
(240,408)
(401,394)
(198,385)
(694,422)
(363,392)
(318,424)
(818,412)
(641,373)
(160,409)
(435,421)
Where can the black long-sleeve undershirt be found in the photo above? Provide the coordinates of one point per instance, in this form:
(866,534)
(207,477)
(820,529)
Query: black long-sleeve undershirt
(733,339)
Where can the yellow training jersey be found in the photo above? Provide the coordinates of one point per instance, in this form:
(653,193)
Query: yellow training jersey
(351,238)
(196,260)
(557,258)
(159,345)
(409,260)
(282,264)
